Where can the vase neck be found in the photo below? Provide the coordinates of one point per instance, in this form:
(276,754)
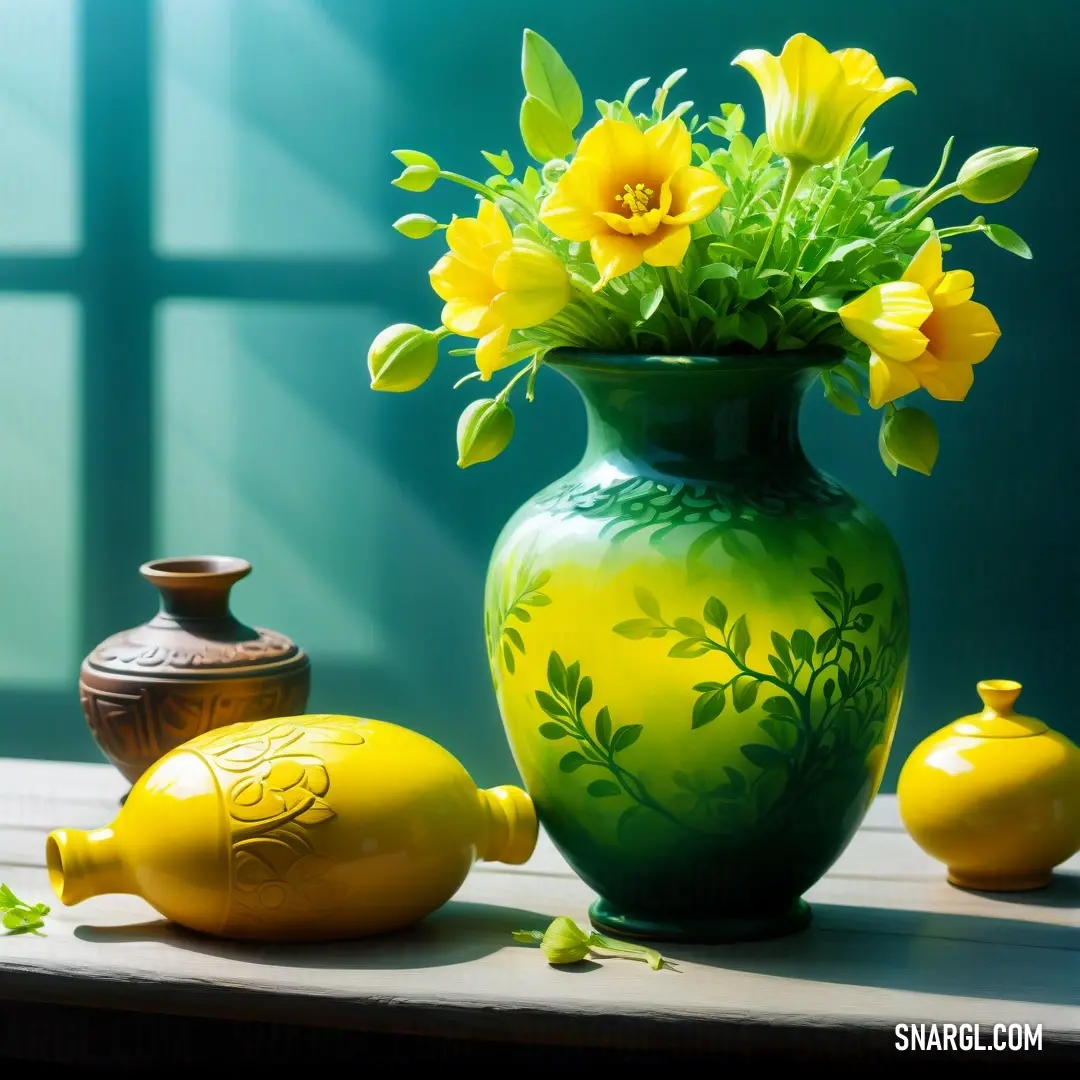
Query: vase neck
(695,422)
(195,588)
(84,864)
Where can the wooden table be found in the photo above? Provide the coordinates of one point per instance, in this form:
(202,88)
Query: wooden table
(891,943)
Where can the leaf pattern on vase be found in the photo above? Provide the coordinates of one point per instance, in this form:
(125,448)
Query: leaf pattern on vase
(640,503)
(564,701)
(828,699)
(501,636)
(278,793)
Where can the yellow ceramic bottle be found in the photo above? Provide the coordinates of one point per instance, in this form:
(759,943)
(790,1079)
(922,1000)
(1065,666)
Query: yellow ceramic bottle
(994,796)
(301,828)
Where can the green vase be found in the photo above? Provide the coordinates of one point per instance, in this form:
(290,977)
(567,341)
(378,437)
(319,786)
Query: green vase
(698,643)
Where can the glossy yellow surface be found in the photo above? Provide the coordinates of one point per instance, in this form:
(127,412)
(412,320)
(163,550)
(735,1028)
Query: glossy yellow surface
(300,828)
(994,796)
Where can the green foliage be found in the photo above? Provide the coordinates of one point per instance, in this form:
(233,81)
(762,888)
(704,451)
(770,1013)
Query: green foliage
(19,917)
(767,271)
(827,698)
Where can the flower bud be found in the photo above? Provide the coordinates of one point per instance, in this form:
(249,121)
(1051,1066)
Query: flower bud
(416,226)
(552,172)
(564,942)
(402,357)
(416,178)
(996,174)
(484,431)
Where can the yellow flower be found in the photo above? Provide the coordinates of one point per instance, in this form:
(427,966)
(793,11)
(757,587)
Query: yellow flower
(923,330)
(632,195)
(816,102)
(493,283)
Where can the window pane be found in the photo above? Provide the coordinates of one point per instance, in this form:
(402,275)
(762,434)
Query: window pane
(40,536)
(39,156)
(267,113)
(261,452)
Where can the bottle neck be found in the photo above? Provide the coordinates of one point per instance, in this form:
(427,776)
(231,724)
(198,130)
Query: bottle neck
(510,827)
(84,864)
(697,424)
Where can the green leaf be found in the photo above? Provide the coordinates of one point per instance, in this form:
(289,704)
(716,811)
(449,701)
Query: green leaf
(827,642)
(625,737)
(648,603)
(514,638)
(603,789)
(829,299)
(635,629)
(508,657)
(736,780)
(551,730)
(500,162)
(715,613)
(650,302)
(764,757)
(752,329)
(744,694)
(844,250)
(839,399)
(779,643)
(544,133)
(911,439)
(883,451)
(1005,238)
(689,628)
(603,728)
(531,182)
(550,705)
(781,706)
(869,594)
(740,639)
(834,568)
(572,762)
(782,671)
(681,780)
(714,271)
(802,645)
(863,621)
(784,735)
(548,79)
(708,707)
(584,693)
(688,649)
(556,673)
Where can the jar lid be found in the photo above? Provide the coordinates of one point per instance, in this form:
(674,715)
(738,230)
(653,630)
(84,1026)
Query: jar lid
(997,720)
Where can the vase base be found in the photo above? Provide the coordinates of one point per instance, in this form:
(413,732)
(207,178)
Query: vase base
(701,930)
(1025,882)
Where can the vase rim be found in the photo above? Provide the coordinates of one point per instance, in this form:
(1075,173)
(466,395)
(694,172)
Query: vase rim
(195,570)
(787,362)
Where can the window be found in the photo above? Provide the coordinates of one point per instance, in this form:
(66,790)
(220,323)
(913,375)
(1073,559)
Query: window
(183,236)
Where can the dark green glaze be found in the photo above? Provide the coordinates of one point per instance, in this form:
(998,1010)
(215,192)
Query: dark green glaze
(698,643)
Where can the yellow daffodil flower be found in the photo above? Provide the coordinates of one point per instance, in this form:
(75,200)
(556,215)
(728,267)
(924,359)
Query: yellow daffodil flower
(632,195)
(923,330)
(816,102)
(493,283)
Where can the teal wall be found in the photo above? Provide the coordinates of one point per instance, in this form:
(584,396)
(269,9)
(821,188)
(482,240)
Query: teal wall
(195,252)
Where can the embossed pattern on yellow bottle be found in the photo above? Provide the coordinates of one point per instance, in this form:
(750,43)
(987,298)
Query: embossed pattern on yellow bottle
(298,828)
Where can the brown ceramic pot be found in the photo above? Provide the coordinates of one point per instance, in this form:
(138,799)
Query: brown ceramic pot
(193,667)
